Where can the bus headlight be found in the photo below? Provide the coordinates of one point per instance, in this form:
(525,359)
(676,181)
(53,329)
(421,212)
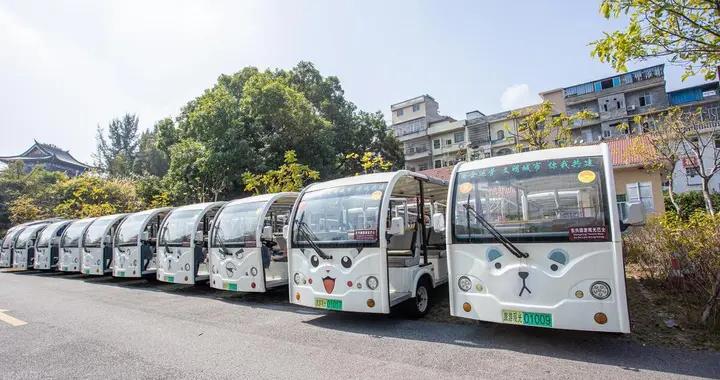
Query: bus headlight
(253,271)
(464,283)
(298,278)
(372,282)
(600,290)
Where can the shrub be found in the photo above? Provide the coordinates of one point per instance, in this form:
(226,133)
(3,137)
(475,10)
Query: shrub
(683,255)
(690,202)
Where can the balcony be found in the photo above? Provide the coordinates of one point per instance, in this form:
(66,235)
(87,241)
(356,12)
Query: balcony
(416,153)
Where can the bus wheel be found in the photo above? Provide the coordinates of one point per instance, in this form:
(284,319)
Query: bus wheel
(420,305)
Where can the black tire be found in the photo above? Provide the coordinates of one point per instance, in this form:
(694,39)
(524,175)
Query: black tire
(419,306)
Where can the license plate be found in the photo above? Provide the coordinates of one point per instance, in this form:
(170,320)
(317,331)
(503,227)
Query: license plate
(230,286)
(169,278)
(324,303)
(64,269)
(527,318)
(121,274)
(87,271)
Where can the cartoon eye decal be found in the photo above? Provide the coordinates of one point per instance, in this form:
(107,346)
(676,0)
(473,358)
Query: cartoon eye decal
(346,262)
(314,261)
(493,254)
(558,256)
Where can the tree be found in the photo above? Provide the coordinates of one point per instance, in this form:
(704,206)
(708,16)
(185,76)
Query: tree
(90,195)
(541,127)
(698,146)
(116,154)
(35,188)
(290,176)
(660,148)
(150,159)
(369,162)
(686,32)
(188,177)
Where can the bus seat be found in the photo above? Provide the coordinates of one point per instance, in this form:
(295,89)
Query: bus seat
(281,244)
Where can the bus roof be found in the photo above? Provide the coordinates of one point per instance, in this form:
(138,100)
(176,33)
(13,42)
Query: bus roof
(372,178)
(263,198)
(536,155)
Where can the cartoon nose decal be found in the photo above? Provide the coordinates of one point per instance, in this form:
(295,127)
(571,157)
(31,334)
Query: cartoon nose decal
(523,277)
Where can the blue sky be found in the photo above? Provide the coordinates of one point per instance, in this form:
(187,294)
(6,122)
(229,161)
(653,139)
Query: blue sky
(66,67)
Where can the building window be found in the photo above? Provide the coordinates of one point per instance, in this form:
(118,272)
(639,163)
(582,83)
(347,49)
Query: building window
(459,136)
(422,167)
(646,99)
(436,143)
(438,164)
(416,107)
(501,135)
(504,151)
(641,192)
(399,112)
(716,140)
(448,142)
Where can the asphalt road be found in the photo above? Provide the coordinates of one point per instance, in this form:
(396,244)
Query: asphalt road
(80,327)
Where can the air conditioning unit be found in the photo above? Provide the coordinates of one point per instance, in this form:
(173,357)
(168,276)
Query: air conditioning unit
(631,107)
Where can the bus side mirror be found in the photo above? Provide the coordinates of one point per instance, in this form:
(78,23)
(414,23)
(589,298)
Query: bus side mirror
(397,226)
(633,214)
(267,233)
(198,236)
(438,222)
(107,239)
(286,232)
(145,236)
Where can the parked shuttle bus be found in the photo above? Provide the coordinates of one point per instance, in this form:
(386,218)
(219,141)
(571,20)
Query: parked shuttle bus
(97,250)
(248,252)
(47,248)
(534,239)
(183,243)
(136,243)
(24,252)
(365,243)
(8,245)
(71,244)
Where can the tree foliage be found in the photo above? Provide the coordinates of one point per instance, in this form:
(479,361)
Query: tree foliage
(290,176)
(540,127)
(686,32)
(116,153)
(368,162)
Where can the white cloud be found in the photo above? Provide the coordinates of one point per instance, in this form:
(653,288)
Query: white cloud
(517,96)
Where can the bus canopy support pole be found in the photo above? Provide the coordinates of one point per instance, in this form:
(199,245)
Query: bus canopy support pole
(421,220)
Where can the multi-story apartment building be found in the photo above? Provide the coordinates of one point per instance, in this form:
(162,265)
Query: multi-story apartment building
(410,121)
(706,98)
(615,101)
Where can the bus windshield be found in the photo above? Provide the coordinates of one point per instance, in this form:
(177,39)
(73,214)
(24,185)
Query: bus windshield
(94,234)
(343,215)
(539,201)
(74,233)
(47,234)
(236,224)
(130,228)
(24,237)
(179,227)
(9,238)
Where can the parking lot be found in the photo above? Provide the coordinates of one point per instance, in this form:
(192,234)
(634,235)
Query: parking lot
(57,325)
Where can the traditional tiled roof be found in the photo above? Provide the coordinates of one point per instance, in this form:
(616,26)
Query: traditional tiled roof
(439,173)
(48,151)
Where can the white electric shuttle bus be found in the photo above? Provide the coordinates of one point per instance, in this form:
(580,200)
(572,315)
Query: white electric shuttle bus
(71,244)
(24,252)
(182,249)
(136,243)
(365,243)
(97,249)
(47,247)
(248,252)
(534,239)
(8,245)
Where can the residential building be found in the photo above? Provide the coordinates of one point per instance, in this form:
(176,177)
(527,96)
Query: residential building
(706,98)
(50,157)
(616,101)
(410,122)
(449,139)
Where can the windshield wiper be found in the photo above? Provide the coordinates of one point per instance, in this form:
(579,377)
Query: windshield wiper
(495,233)
(310,238)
